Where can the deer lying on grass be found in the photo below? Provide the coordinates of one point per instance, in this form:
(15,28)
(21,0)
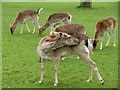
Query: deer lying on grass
(107,25)
(61,44)
(57,18)
(23,16)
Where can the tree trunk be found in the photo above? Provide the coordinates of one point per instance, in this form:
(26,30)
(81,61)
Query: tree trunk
(85,3)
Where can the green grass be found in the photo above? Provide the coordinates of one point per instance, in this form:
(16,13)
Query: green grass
(21,68)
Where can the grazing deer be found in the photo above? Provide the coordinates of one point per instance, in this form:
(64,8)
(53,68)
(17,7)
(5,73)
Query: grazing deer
(23,16)
(61,44)
(57,18)
(107,25)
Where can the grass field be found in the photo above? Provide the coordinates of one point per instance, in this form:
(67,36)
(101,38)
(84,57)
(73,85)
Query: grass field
(20,65)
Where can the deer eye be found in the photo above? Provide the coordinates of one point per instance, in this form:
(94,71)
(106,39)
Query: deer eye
(60,34)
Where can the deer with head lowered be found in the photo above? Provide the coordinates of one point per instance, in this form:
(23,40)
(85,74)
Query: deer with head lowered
(107,25)
(61,44)
(23,16)
(56,18)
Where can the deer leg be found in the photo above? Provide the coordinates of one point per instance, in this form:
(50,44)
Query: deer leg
(35,22)
(78,57)
(34,26)
(42,72)
(34,29)
(22,28)
(63,58)
(86,58)
(109,36)
(101,40)
(91,64)
(97,72)
(27,27)
(40,59)
(90,74)
(56,61)
(114,36)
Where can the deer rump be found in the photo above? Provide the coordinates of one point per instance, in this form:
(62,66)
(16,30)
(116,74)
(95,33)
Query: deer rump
(49,46)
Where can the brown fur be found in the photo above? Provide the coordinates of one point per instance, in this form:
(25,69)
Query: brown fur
(104,26)
(23,16)
(55,19)
(63,47)
(49,38)
(57,16)
(75,30)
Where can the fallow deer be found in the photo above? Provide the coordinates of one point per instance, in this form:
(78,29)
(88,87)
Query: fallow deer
(57,18)
(71,29)
(60,44)
(107,25)
(23,16)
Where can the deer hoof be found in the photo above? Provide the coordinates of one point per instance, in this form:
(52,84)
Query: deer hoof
(89,80)
(102,82)
(40,82)
(33,32)
(100,48)
(114,45)
(55,84)
(106,45)
(78,57)
(63,58)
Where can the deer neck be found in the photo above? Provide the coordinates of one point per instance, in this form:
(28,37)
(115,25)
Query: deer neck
(15,23)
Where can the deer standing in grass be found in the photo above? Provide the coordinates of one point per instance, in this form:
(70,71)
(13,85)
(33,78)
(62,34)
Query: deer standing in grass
(61,44)
(71,29)
(57,18)
(107,25)
(23,16)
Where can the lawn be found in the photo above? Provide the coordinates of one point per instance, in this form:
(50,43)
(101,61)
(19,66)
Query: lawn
(20,66)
